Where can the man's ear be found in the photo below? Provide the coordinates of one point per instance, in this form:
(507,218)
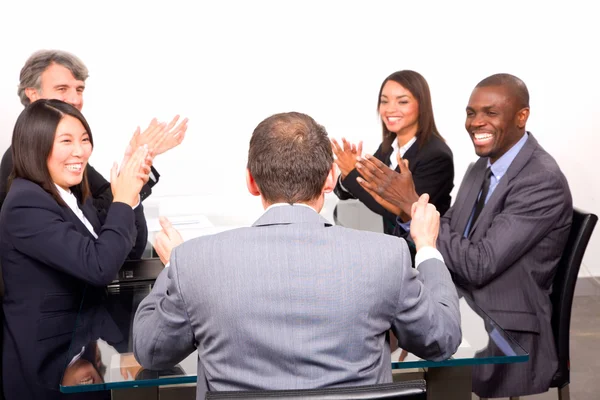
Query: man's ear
(251,184)
(522,116)
(32,94)
(331,179)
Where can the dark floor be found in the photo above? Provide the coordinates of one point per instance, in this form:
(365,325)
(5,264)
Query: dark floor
(585,345)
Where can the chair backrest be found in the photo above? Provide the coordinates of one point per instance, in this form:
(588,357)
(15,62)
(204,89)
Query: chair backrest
(406,390)
(564,288)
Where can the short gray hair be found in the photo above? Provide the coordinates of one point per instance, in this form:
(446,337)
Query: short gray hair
(31,73)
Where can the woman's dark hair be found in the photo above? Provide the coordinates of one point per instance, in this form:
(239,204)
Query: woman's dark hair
(33,140)
(418,87)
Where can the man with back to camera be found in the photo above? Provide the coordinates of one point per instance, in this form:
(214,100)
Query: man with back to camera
(293,302)
(504,236)
(56,74)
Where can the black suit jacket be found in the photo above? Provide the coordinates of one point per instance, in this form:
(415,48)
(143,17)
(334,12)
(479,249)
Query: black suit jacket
(48,258)
(432,168)
(100,187)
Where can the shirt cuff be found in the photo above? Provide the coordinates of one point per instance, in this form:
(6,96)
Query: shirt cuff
(427,253)
(403,225)
(138,203)
(167,264)
(153,176)
(342,186)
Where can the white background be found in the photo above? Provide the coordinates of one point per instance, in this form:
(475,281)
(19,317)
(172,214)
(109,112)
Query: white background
(229,64)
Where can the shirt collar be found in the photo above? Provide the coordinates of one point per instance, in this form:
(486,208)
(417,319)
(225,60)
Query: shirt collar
(404,148)
(67,196)
(501,165)
(288,204)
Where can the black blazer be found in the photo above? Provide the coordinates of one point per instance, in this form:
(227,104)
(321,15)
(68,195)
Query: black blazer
(432,168)
(48,259)
(100,187)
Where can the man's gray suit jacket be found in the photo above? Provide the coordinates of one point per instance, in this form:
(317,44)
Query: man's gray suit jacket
(508,261)
(294,302)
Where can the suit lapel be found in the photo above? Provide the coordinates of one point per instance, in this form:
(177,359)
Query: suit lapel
(91,215)
(513,170)
(411,153)
(474,181)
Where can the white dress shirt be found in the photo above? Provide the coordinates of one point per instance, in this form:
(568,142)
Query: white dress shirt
(399,149)
(71,201)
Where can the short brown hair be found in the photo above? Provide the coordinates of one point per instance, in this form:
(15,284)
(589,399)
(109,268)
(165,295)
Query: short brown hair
(33,140)
(290,157)
(418,87)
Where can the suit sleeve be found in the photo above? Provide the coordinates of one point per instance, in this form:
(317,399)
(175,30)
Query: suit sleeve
(530,211)
(427,320)
(435,176)
(141,237)
(147,188)
(162,333)
(39,231)
(101,192)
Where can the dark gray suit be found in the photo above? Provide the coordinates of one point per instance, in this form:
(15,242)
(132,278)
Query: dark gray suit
(508,261)
(293,302)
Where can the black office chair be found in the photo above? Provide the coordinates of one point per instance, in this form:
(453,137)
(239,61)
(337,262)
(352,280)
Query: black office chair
(407,390)
(563,291)
(1,331)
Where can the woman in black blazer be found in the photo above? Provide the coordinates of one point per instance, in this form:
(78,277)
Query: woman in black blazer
(54,246)
(404,105)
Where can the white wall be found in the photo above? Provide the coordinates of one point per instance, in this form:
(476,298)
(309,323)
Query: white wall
(229,64)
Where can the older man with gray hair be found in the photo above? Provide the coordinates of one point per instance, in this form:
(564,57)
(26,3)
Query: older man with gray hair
(57,74)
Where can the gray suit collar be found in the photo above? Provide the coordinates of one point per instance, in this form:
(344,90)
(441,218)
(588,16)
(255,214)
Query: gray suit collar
(283,215)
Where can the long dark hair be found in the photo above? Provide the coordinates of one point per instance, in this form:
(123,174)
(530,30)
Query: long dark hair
(418,87)
(33,140)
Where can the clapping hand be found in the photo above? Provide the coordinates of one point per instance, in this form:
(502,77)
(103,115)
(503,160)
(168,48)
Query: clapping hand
(160,137)
(346,155)
(394,191)
(127,181)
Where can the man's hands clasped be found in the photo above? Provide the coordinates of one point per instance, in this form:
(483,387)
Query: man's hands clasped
(425,223)
(166,240)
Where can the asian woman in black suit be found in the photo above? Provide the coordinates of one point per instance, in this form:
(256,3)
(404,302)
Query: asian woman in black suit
(404,105)
(53,244)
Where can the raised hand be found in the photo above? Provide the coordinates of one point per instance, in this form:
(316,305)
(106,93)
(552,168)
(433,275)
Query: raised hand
(425,223)
(127,182)
(166,240)
(160,137)
(148,161)
(346,155)
(151,136)
(394,191)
